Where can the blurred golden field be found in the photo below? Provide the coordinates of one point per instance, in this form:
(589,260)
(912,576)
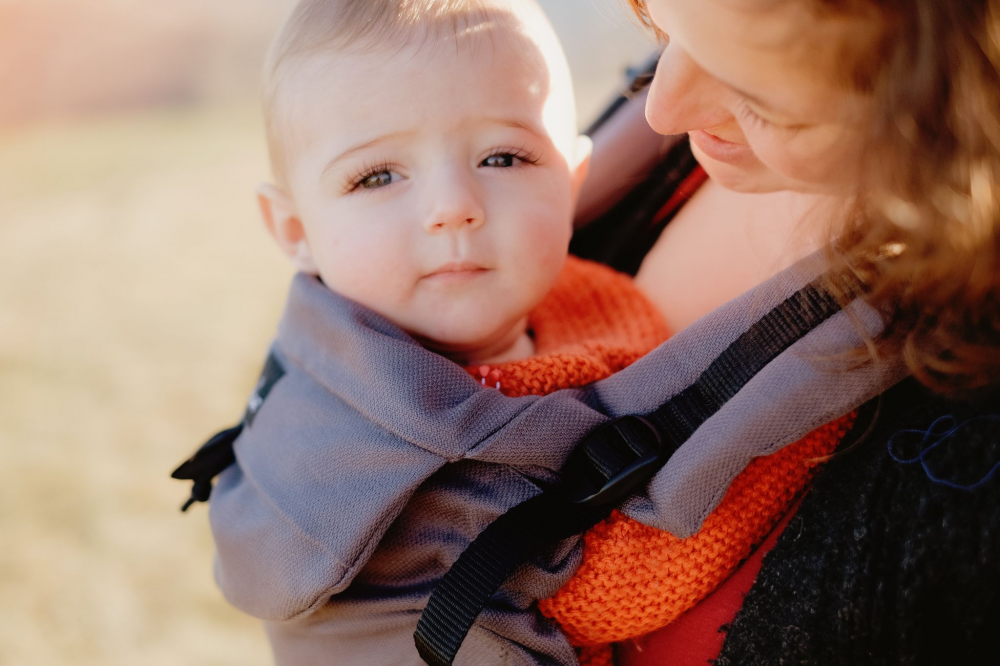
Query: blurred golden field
(138,293)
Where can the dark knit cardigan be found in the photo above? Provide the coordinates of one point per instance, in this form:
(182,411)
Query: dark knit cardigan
(886,561)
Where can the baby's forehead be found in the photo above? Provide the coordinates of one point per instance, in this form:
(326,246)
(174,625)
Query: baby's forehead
(498,39)
(410,77)
(428,86)
(403,66)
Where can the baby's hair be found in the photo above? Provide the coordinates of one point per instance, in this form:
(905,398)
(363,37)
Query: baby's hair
(320,26)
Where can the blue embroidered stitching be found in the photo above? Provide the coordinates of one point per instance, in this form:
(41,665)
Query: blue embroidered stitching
(940,431)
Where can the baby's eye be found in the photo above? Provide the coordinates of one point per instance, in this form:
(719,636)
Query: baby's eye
(500,160)
(372,177)
(506,157)
(376,180)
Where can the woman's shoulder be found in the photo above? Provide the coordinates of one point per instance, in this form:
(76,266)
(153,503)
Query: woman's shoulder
(894,555)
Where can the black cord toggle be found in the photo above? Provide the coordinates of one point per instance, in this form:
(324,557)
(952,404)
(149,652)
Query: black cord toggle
(207,463)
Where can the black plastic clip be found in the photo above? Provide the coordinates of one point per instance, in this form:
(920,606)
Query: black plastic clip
(613,462)
(207,463)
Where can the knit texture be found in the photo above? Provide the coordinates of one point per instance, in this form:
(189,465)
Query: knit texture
(592,323)
(883,564)
(635,579)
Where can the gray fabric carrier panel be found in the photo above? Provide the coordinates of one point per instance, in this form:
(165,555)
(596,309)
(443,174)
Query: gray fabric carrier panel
(374,462)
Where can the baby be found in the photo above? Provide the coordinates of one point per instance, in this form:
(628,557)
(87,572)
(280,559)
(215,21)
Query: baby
(426,164)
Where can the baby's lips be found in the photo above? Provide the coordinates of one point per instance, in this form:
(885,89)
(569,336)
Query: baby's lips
(456,267)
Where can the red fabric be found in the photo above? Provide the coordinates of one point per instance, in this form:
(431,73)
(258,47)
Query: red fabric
(696,638)
(684,191)
(635,579)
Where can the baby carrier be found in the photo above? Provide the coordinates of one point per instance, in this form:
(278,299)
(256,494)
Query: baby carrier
(619,220)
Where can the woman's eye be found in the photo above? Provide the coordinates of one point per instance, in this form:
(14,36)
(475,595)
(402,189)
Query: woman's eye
(376,180)
(755,119)
(499,160)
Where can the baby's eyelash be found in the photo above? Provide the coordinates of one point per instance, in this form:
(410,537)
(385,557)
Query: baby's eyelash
(356,180)
(366,172)
(521,153)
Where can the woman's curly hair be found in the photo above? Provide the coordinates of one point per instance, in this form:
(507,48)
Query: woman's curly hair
(925,233)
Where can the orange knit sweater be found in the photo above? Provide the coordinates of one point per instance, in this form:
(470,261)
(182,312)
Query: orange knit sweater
(593,323)
(633,578)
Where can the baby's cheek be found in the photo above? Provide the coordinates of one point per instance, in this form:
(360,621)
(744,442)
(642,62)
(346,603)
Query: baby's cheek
(553,233)
(369,268)
(544,250)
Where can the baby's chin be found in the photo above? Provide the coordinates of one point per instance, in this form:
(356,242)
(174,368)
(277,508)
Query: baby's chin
(472,345)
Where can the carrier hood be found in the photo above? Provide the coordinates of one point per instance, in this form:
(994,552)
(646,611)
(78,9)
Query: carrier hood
(364,415)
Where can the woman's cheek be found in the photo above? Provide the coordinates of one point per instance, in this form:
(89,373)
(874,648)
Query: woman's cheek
(823,158)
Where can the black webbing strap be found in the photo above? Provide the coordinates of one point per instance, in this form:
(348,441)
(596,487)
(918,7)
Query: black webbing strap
(679,417)
(500,548)
(604,465)
(608,465)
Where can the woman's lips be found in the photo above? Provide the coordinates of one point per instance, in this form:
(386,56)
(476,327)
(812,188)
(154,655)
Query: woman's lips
(720,150)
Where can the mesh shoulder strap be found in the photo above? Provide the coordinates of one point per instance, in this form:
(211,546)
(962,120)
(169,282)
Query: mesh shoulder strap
(607,466)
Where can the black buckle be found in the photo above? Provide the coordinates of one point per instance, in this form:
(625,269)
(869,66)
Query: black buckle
(613,462)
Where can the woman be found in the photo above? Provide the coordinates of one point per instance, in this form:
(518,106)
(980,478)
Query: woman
(874,123)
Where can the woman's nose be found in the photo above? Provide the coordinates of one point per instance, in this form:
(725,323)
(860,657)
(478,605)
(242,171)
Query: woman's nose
(684,97)
(454,204)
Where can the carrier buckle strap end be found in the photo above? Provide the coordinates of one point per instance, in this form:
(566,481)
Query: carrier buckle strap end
(207,463)
(611,463)
(217,453)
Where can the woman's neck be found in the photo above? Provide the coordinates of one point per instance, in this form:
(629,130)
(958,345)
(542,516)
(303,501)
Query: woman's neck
(723,243)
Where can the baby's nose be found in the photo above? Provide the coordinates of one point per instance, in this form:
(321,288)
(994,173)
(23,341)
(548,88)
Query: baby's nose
(454,223)
(464,213)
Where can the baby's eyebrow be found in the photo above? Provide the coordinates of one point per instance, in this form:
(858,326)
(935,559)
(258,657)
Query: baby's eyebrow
(515,124)
(364,146)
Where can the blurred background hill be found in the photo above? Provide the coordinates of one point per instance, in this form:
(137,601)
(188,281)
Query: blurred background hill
(72,58)
(138,293)
(66,58)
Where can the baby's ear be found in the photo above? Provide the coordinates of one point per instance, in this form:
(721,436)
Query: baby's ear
(285,226)
(582,150)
